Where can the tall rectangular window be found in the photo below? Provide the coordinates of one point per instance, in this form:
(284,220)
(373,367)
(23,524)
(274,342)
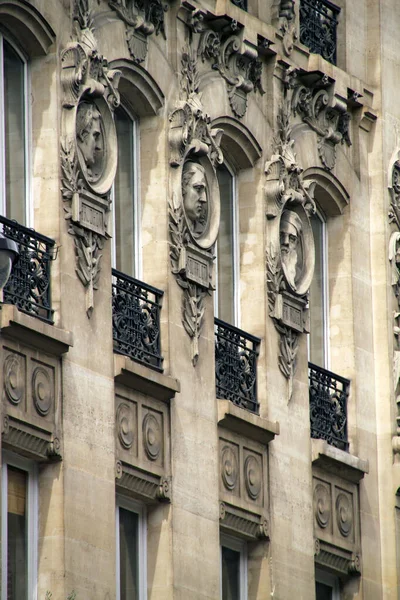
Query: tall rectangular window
(318,342)
(326,586)
(14,182)
(19,529)
(126,253)
(233,569)
(131,550)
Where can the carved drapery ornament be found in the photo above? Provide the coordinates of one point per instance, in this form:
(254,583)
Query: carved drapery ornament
(324,112)
(221,43)
(88,146)
(194,209)
(142,19)
(291,254)
(394,259)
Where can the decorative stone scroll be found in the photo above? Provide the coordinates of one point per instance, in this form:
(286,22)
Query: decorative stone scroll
(142,19)
(221,42)
(88,146)
(291,254)
(287,25)
(323,111)
(194,209)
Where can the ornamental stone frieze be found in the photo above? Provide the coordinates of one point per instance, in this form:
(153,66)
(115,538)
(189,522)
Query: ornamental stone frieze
(142,19)
(221,44)
(291,253)
(314,101)
(194,209)
(88,146)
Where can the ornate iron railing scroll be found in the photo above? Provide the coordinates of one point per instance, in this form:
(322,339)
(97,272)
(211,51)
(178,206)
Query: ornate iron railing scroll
(318,27)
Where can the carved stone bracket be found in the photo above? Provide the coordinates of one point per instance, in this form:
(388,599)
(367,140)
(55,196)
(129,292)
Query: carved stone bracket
(324,112)
(290,257)
(221,42)
(244,523)
(341,562)
(88,146)
(142,19)
(287,25)
(29,440)
(147,486)
(194,208)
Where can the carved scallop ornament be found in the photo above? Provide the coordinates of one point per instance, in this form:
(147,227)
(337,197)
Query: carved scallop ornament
(229,468)
(42,390)
(152,436)
(253,476)
(322,505)
(14,378)
(125,425)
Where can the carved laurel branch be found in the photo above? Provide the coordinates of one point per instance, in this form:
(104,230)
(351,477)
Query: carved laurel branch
(274,278)
(71,183)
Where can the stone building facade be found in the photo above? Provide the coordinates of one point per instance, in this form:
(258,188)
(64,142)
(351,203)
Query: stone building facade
(199,341)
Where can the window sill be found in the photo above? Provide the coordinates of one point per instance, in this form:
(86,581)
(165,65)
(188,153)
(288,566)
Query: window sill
(245,423)
(30,330)
(143,379)
(338,462)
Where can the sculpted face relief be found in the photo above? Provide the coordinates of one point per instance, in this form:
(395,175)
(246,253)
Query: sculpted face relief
(90,138)
(290,232)
(194,192)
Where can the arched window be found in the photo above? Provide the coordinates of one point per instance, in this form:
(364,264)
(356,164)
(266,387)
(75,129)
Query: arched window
(318,341)
(227,272)
(14,138)
(126,249)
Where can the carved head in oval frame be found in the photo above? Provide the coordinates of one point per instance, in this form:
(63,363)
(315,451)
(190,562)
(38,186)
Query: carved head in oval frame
(297,249)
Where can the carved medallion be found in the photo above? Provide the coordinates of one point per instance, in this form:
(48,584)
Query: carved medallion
(229,468)
(344,514)
(152,438)
(322,505)
(42,390)
(125,425)
(14,378)
(88,146)
(252,477)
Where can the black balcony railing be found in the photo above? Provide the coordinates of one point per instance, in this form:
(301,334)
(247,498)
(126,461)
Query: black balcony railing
(318,26)
(328,406)
(240,3)
(28,286)
(136,310)
(236,365)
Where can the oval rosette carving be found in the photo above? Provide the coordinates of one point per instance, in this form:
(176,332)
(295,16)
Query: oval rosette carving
(42,391)
(229,468)
(14,384)
(322,505)
(125,424)
(252,477)
(344,514)
(151,436)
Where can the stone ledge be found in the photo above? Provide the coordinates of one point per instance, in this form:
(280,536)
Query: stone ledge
(242,523)
(242,421)
(33,331)
(143,485)
(143,379)
(337,461)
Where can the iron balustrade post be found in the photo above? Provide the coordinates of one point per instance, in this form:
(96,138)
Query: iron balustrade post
(29,284)
(236,365)
(318,27)
(136,309)
(328,406)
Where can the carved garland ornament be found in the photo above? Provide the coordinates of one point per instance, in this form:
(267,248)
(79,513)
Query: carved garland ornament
(88,146)
(194,209)
(291,254)
(142,18)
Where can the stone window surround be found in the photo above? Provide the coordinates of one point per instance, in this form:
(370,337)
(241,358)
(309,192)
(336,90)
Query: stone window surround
(140,510)
(232,543)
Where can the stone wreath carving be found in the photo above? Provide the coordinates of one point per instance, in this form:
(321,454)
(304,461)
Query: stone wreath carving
(88,146)
(194,209)
(220,41)
(142,19)
(291,254)
(324,112)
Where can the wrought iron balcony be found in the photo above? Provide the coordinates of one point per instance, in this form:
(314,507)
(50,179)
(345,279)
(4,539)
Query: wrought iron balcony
(240,3)
(236,365)
(136,310)
(28,286)
(328,406)
(318,26)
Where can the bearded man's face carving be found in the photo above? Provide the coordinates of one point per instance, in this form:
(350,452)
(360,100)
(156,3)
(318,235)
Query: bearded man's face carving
(290,232)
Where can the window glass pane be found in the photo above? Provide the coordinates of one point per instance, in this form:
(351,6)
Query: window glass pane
(317,291)
(14,118)
(225,252)
(230,574)
(17,534)
(323,591)
(125,194)
(128,554)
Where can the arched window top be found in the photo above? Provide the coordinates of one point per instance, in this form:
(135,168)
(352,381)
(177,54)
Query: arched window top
(330,194)
(238,143)
(26,23)
(140,92)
